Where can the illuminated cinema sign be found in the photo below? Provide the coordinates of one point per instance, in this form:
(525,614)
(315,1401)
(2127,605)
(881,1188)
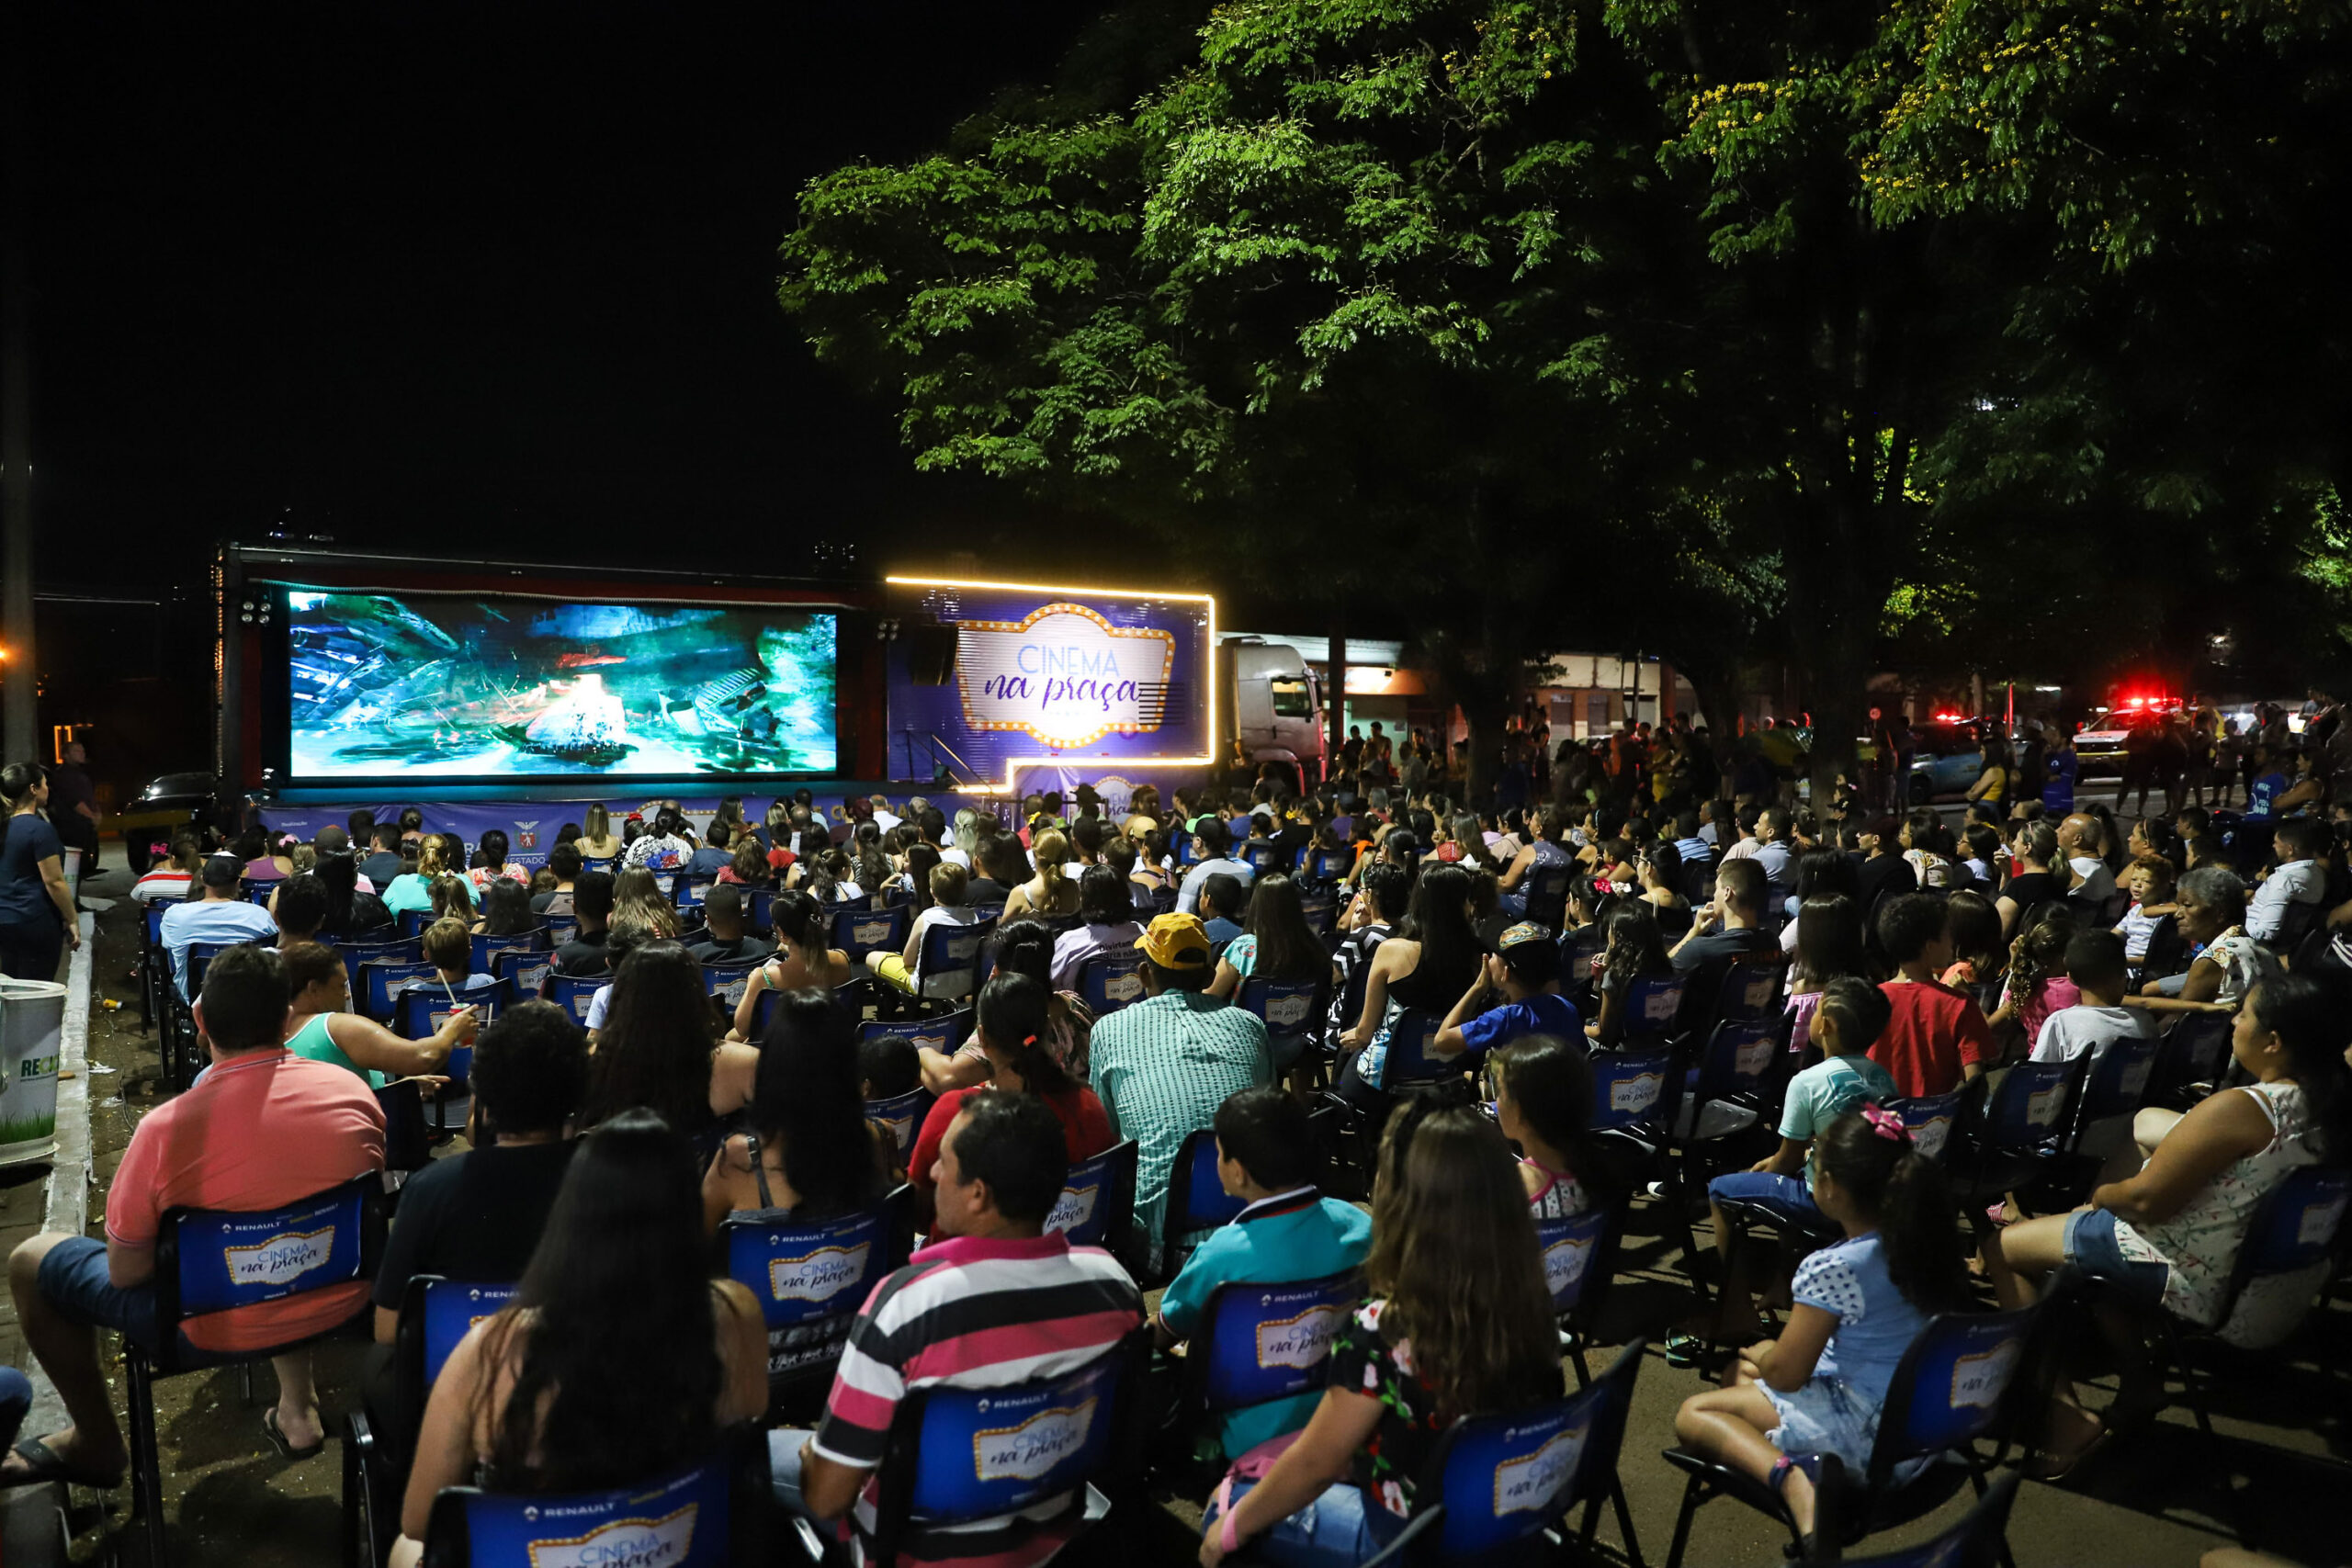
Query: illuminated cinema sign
(1118,682)
(1064,674)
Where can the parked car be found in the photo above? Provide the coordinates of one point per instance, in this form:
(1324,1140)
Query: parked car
(160,807)
(2099,746)
(1946,760)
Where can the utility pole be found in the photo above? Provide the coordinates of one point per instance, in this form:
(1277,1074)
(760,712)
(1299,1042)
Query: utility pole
(19,723)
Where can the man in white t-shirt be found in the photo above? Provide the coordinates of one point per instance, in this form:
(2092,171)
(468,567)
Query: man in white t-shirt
(2298,878)
(2078,840)
(2095,962)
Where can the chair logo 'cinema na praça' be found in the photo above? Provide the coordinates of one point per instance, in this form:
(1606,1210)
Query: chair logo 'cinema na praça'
(1033,1448)
(624,1543)
(286,1257)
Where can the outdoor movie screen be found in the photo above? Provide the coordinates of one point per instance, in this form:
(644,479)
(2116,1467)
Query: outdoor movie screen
(451,686)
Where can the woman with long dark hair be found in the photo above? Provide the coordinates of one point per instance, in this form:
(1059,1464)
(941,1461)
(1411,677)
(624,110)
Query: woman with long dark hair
(656,1048)
(802,959)
(506,909)
(1829,947)
(1543,1103)
(620,1358)
(1458,1322)
(1425,967)
(810,1150)
(490,862)
(1009,1030)
(1632,949)
(1023,947)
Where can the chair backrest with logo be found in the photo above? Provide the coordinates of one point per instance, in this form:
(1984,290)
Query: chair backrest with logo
(901,1117)
(2114,1086)
(1495,1483)
(1259,855)
(489,949)
(1629,1088)
(1289,1008)
(1931,1118)
(1739,1058)
(2028,1113)
(573,993)
(690,891)
(1749,990)
(1327,866)
(1097,1197)
(1109,980)
(408,1142)
(209,1261)
(421,1011)
(374,987)
(2196,1050)
(1577,1251)
(1196,1199)
(1653,1008)
(1412,1036)
(354,953)
(860,932)
(942,1034)
(1260,1342)
(528,972)
(2289,1253)
(961,1454)
(811,1276)
(682,1521)
(435,1314)
(1547,895)
(1953,1388)
(950,959)
(727,981)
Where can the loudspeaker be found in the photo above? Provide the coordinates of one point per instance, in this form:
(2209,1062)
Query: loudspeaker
(931,654)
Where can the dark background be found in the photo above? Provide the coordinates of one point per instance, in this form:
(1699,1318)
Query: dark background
(500,280)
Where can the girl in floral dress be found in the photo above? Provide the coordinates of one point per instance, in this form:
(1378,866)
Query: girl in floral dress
(1458,1323)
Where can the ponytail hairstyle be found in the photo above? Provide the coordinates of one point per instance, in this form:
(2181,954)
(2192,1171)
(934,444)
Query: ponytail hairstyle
(1869,1154)
(1052,848)
(2041,951)
(873,865)
(18,780)
(600,823)
(1012,1018)
(799,918)
(922,861)
(452,895)
(2307,1009)
(1549,1083)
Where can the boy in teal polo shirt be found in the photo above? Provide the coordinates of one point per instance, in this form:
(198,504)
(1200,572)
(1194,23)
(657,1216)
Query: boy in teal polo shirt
(1290,1231)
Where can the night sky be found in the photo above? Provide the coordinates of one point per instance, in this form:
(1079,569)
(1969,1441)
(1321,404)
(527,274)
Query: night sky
(501,279)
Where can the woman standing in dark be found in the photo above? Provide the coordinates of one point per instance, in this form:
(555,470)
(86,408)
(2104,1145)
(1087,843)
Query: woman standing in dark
(36,918)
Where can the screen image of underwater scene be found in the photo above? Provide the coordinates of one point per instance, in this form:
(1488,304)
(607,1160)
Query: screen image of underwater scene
(447,686)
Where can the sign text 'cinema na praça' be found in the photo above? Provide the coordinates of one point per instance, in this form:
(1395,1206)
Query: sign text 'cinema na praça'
(1064,674)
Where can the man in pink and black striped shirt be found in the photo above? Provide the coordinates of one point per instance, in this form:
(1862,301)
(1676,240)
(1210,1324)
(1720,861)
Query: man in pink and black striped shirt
(1002,1301)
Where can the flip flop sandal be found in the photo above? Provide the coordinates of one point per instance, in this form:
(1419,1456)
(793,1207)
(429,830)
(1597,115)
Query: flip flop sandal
(45,1464)
(287,1450)
(1683,1350)
(2000,1216)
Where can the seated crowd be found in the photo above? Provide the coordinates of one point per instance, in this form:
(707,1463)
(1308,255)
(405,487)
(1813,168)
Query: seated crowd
(1433,941)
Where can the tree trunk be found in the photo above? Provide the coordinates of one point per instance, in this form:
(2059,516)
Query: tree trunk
(1335,690)
(1834,612)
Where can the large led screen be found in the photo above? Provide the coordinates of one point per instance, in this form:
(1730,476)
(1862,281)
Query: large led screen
(381,685)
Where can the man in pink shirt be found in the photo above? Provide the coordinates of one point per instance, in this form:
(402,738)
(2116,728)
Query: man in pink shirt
(264,1128)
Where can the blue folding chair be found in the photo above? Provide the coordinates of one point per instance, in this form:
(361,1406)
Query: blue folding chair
(1256,1343)
(1547,895)
(1652,1010)
(1955,1397)
(1632,1090)
(949,961)
(574,993)
(526,971)
(689,891)
(487,948)
(1931,1118)
(860,932)
(1749,991)
(587,864)
(560,929)
(1412,1060)
(1499,1488)
(1292,1013)
(413,924)
(685,1521)
(435,1314)
(405,949)
(727,983)
(2192,1058)
(1260,856)
(942,1032)
(1109,980)
(1329,867)
(1097,1201)
(1579,1255)
(2019,1138)
(2114,1087)
(901,1117)
(420,1011)
(761,911)
(811,1278)
(1186,854)
(1197,1200)
(960,1454)
(214,1260)
(1321,910)
(376,988)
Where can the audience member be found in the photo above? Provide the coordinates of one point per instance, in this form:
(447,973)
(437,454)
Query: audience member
(950,906)
(2297,878)
(1730,927)
(1288,1232)
(222,916)
(320,1126)
(1163,1065)
(1631,949)
(1106,908)
(320,1028)
(1211,860)
(592,903)
(726,935)
(1424,968)
(1935,1037)
(1543,1104)
(2229,962)
(655,1048)
(1517,993)
(1222,898)
(620,1358)
(1002,1301)
(808,1151)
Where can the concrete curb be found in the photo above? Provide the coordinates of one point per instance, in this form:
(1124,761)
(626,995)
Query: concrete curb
(68,1207)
